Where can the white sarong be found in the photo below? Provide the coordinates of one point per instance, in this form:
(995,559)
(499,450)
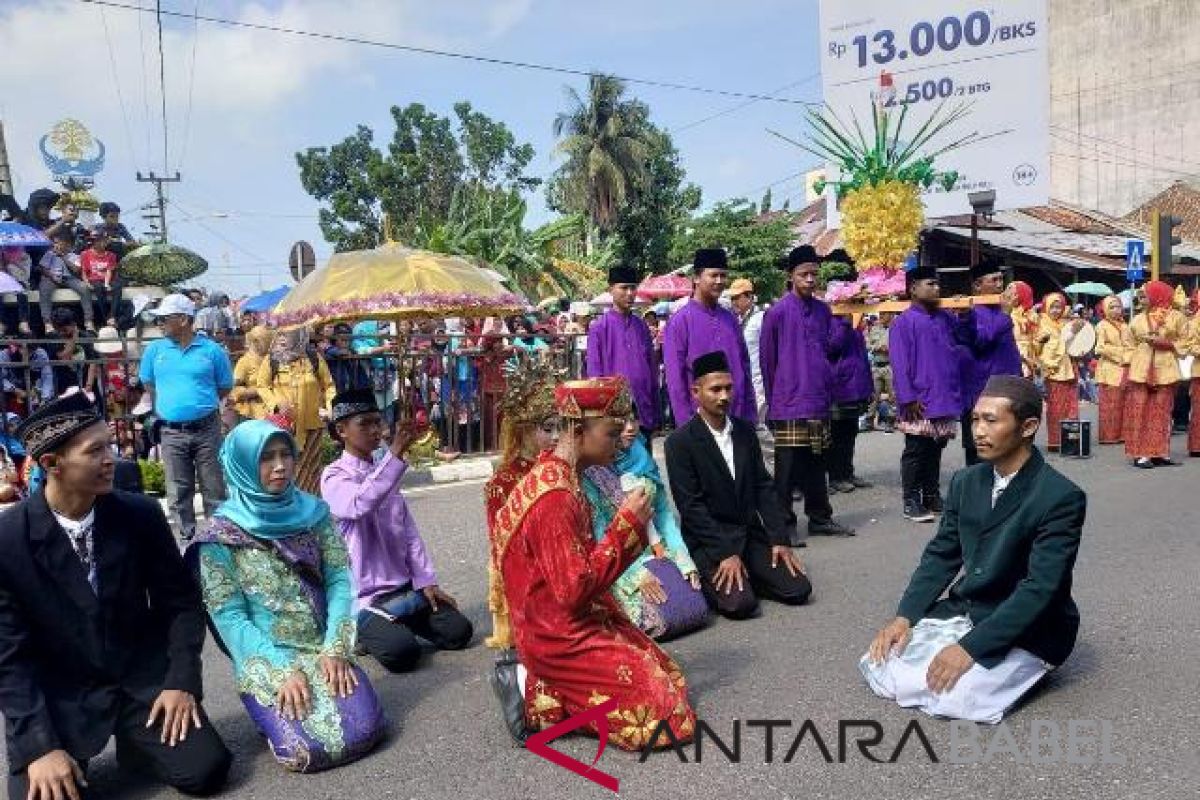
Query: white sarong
(981,694)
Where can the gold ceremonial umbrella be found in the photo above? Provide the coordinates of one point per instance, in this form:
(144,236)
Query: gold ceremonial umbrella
(394,282)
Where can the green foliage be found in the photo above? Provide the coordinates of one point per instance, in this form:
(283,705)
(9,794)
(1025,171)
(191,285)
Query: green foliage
(429,159)
(884,156)
(604,138)
(765,206)
(756,246)
(154,477)
(833,271)
(658,212)
(331,450)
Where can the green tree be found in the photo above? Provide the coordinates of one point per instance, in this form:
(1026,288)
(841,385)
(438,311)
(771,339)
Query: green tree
(604,139)
(756,247)
(414,182)
(648,224)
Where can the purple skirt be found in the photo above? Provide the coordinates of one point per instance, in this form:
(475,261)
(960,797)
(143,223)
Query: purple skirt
(337,731)
(685,609)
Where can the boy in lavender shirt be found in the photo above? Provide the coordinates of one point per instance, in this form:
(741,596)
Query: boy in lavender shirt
(398,594)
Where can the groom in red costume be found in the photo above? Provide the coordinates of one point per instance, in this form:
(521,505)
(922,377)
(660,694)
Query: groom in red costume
(577,648)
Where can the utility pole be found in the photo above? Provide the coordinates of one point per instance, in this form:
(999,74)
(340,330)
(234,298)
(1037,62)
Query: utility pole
(6,184)
(162,200)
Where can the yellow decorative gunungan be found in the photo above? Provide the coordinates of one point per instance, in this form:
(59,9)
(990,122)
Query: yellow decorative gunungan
(881,224)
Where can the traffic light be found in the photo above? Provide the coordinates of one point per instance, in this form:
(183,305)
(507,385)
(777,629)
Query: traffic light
(1162,230)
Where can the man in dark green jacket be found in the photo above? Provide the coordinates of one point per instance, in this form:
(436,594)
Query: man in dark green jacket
(1011,527)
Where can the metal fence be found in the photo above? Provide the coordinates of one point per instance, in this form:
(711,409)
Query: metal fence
(454,382)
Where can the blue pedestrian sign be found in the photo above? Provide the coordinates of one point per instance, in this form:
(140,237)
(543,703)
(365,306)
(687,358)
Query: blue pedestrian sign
(1135,259)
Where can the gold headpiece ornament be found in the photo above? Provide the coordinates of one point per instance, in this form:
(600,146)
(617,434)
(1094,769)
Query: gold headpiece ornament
(529,396)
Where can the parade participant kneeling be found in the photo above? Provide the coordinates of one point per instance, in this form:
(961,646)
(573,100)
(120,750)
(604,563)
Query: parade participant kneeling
(661,590)
(1012,526)
(732,520)
(529,426)
(279,594)
(571,636)
(101,627)
(398,594)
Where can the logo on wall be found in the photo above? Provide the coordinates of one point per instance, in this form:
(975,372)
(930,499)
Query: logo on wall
(73,156)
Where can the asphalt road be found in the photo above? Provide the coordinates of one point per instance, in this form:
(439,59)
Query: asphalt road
(1135,668)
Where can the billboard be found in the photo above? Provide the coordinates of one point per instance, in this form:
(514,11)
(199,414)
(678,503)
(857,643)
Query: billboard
(919,53)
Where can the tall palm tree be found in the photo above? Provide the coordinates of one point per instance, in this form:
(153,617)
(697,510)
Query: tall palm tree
(604,138)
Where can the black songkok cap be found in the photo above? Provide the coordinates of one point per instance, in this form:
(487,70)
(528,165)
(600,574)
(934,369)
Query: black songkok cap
(921,273)
(351,403)
(985,268)
(623,274)
(56,423)
(710,258)
(709,363)
(804,254)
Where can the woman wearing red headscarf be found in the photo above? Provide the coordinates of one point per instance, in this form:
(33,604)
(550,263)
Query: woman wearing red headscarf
(1114,349)
(1160,333)
(1058,370)
(1018,297)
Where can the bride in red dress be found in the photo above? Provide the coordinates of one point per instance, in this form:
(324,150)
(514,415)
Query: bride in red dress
(578,647)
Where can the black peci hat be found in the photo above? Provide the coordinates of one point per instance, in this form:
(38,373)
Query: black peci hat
(709,363)
(804,254)
(710,258)
(622,274)
(920,273)
(352,402)
(56,423)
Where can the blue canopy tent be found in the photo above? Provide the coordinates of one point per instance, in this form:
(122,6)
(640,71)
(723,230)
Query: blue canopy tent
(266,301)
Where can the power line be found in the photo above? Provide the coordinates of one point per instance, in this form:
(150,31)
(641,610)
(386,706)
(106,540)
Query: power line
(112,63)
(1123,146)
(740,106)
(187,119)
(221,236)
(145,89)
(1125,163)
(162,82)
(1127,86)
(502,62)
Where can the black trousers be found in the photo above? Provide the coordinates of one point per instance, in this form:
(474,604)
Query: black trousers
(844,433)
(773,583)
(394,644)
(968,439)
(921,467)
(197,766)
(800,467)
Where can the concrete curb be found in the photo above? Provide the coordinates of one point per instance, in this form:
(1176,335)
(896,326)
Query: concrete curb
(466,469)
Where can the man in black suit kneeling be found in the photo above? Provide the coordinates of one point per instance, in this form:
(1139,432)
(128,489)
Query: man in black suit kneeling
(101,626)
(732,521)
(1010,533)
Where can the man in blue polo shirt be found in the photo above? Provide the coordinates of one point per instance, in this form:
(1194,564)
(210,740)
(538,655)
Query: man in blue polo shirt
(188,376)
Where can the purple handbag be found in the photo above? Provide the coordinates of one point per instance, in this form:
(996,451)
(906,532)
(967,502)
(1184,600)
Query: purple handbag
(685,609)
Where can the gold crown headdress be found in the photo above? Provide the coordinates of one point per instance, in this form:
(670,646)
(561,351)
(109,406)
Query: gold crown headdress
(529,396)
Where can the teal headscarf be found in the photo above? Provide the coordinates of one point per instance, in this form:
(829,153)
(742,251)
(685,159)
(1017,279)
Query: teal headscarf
(251,507)
(637,460)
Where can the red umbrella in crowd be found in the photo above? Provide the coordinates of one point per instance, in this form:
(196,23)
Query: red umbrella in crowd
(664,287)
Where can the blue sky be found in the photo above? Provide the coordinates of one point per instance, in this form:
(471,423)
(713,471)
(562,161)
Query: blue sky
(257,97)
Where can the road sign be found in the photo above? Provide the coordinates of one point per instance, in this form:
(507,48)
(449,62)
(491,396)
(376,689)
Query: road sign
(1135,259)
(302,260)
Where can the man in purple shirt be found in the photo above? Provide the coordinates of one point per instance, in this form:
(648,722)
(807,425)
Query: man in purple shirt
(619,343)
(797,342)
(853,388)
(398,594)
(994,351)
(701,327)
(926,372)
